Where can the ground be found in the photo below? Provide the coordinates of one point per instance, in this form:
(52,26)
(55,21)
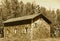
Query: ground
(48,39)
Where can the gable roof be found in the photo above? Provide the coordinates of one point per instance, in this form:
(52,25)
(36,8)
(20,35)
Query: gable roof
(45,18)
(25,20)
(21,18)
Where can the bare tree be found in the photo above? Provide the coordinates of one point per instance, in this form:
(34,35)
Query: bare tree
(6,9)
(15,7)
(29,9)
(58,15)
(22,9)
(43,10)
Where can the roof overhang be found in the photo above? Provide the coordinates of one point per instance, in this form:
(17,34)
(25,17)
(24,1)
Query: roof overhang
(25,20)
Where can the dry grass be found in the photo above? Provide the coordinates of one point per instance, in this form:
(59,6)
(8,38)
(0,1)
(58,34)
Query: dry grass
(48,39)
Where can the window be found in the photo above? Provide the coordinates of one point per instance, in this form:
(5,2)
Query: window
(15,30)
(26,28)
(1,32)
(36,25)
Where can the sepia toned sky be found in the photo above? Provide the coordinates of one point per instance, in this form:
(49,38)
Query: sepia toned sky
(49,4)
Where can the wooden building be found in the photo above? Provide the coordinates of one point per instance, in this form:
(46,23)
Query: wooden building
(26,28)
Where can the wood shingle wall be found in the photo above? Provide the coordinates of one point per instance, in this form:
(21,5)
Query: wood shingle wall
(18,33)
